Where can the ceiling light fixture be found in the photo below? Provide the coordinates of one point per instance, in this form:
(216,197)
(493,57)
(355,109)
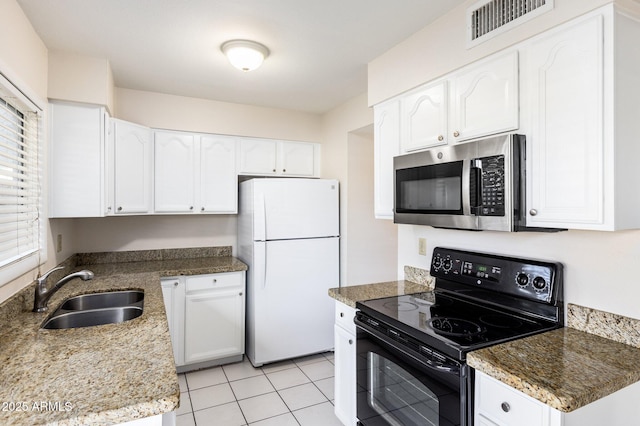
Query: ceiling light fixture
(246,55)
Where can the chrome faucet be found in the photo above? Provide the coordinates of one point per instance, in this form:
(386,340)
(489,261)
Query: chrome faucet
(43,295)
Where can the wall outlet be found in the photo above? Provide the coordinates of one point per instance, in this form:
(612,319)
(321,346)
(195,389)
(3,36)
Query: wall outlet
(59,243)
(422,246)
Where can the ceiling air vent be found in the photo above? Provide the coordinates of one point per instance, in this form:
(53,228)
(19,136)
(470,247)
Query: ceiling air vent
(488,18)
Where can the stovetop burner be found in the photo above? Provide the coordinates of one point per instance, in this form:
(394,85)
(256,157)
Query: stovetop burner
(401,306)
(455,326)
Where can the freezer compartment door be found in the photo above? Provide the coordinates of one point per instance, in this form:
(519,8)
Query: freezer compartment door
(291,313)
(295,208)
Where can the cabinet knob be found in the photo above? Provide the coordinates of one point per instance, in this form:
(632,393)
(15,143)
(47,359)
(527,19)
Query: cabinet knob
(215,280)
(533,212)
(351,341)
(175,284)
(109,208)
(456,133)
(274,170)
(240,294)
(284,170)
(191,208)
(201,209)
(341,314)
(440,138)
(120,208)
(505,407)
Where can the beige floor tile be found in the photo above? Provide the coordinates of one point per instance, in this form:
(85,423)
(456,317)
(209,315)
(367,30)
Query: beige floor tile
(211,396)
(204,378)
(302,396)
(317,415)
(241,370)
(222,415)
(253,386)
(318,370)
(287,378)
(262,407)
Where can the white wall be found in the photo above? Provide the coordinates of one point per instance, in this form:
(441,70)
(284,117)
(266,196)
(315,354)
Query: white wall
(372,245)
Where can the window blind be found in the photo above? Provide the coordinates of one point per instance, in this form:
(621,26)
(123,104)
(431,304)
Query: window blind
(19,179)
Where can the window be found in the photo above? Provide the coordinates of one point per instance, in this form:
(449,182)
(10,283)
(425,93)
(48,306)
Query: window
(20,204)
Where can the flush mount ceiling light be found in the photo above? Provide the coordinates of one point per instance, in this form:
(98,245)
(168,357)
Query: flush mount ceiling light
(246,55)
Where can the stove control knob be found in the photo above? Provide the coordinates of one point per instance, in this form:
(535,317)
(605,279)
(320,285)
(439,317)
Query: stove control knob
(522,279)
(447,264)
(437,263)
(539,283)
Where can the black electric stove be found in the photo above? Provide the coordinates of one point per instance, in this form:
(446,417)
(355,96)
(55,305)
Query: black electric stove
(413,348)
(479,300)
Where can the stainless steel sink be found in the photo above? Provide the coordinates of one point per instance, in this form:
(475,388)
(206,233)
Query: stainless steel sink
(91,317)
(109,307)
(109,299)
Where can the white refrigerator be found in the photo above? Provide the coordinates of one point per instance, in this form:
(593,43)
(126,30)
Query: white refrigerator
(288,235)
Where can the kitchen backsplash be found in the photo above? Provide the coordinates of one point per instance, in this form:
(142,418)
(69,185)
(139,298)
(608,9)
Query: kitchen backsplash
(149,255)
(604,324)
(419,276)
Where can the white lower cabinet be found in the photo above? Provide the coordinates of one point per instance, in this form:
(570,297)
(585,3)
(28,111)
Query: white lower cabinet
(206,317)
(498,404)
(345,364)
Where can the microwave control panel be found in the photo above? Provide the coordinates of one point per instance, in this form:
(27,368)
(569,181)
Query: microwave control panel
(492,186)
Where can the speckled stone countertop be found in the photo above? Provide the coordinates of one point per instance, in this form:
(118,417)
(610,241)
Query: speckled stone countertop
(99,375)
(420,283)
(567,368)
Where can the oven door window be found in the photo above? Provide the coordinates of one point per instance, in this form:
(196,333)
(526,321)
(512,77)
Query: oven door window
(433,189)
(396,390)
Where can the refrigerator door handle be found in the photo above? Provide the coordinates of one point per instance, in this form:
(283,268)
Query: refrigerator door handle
(260,224)
(260,270)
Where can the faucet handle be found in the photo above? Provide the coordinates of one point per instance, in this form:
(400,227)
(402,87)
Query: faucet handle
(42,279)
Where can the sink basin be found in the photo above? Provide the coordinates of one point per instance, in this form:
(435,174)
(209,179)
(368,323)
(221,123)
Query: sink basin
(91,317)
(108,307)
(108,299)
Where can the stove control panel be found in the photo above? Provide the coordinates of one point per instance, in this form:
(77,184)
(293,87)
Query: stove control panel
(525,278)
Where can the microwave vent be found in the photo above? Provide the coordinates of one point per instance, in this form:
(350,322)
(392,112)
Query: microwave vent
(488,18)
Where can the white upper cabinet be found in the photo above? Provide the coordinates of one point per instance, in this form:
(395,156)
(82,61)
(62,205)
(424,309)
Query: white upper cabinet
(485,98)
(218,190)
(424,117)
(386,145)
(76,160)
(132,167)
(582,104)
(195,173)
(269,157)
(174,169)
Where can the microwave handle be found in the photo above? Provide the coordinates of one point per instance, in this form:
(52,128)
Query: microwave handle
(475,186)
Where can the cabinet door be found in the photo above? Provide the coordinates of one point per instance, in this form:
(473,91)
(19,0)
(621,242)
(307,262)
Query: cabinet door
(258,156)
(566,146)
(218,180)
(174,170)
(296,158)
(214,325)
(485,99)
(132,168)
(173,296)
(345,376)
(386,141)
(424,118)
(77,137)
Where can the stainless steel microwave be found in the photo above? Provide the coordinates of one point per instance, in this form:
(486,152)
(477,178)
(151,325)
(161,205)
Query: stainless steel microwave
(478,185)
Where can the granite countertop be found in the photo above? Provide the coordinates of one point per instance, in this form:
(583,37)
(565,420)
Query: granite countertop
(95,375)
(565,368)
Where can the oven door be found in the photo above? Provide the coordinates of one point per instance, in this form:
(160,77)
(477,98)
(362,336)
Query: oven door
(399,387)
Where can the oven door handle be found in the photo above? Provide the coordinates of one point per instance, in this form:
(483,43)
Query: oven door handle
(437,366)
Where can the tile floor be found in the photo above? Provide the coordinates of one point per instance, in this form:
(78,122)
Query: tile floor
(295,392)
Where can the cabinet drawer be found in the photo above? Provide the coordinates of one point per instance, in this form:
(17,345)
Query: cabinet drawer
(214,281)
(344,317)
(505,405)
